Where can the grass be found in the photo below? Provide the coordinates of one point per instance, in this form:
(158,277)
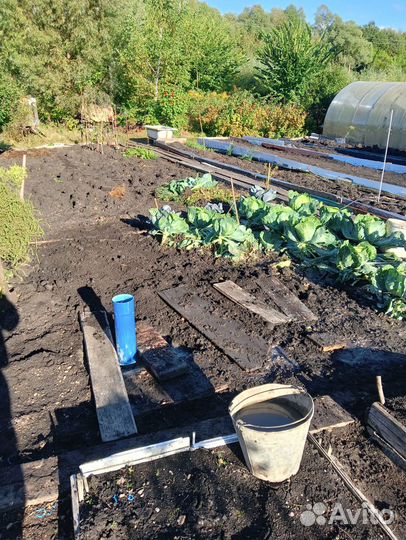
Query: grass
(216,194)
(141,153)
(192,143)
(52,134)
(19,225)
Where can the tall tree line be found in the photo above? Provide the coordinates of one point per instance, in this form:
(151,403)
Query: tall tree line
(136,53)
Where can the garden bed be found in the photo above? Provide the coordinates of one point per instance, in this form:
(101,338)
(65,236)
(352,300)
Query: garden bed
(308,180)
(97,244)
(210,494)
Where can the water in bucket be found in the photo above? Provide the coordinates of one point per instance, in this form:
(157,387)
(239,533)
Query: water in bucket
(276,413)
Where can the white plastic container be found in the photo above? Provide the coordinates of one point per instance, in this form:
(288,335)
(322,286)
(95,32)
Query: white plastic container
(160,133)
(272,422)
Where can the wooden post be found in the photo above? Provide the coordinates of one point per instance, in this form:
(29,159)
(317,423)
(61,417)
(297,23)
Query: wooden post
(380,389)
(237,217)
(23,182)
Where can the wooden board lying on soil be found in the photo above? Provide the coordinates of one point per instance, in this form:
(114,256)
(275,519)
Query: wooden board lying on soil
(388,427)
(162,360)
(328,414)
(146,394)
(327,342)
(387,449)
(249,352)
(235,293)
(287,302)
(112,405)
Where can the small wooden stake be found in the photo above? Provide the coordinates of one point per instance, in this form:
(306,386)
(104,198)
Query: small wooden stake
(23,182)
(380,389)
(268,179)
(237,217)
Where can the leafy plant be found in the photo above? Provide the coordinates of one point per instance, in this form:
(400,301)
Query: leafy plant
(315,235)
(141,153)
(168,223)
(176,188)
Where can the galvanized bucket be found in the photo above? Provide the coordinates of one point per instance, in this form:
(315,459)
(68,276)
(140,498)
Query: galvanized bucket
(273,452)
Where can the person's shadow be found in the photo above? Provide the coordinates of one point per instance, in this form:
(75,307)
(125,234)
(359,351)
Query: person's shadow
(9,319)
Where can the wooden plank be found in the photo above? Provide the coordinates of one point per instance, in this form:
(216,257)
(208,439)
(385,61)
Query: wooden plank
(112,405)
(162,360)
(77,497)
(327,342)
(247,351)
(387,449)
(388,427)
(235,293)
(328,414)
(146,394)
(286,301)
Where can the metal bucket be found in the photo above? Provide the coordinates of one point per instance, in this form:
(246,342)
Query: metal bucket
(272,422)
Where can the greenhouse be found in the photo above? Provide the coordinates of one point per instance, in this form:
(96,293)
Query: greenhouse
(361,113)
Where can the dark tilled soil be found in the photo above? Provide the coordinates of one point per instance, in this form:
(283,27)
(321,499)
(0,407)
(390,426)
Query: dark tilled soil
(210,494)
(328,145)
(97,245)
(336,187)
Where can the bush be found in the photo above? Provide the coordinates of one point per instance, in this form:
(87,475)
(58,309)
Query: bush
(172,108)
(18,223)
(10,95)
(240,113)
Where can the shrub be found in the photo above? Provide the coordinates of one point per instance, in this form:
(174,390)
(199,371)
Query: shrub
(172,108)
(10,95)
(240,113)
(18,223)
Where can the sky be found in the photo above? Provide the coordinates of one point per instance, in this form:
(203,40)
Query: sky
(390,13)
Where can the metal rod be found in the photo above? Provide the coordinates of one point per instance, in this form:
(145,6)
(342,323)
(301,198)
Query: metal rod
(386,154)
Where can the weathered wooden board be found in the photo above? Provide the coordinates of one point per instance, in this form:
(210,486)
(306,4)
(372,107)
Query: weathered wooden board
(327,342)
(113,408)
(146,394)
(286,301)
(387,449)
(388,427)
(235,293)
(162,360)
(249,352)
(328,414)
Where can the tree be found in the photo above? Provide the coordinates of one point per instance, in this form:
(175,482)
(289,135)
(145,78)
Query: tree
(291,59)
(354,51)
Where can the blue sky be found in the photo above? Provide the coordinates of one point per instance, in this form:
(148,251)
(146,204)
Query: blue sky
(390,13)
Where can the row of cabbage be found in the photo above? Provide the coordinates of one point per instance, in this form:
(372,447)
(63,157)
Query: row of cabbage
(351,248)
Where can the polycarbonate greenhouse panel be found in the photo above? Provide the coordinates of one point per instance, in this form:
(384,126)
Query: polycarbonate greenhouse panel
(361,114)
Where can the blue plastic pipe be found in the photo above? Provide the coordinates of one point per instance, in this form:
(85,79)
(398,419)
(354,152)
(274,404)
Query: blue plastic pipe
(124,322)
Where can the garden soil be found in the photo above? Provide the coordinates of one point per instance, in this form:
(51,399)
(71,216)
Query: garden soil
(96,244)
